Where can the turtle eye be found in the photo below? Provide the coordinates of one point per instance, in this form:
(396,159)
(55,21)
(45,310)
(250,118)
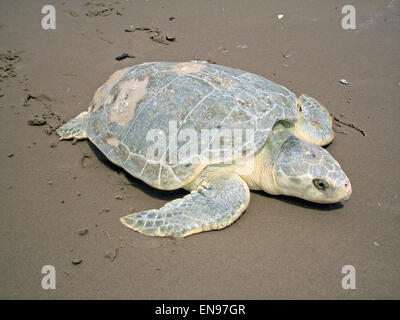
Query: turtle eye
(320,184)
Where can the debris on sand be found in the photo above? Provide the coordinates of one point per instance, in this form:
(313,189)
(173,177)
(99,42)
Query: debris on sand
(206,60)
(103,210)
(112,254)
(124,56)
(343,81)
(156,34)
(73,13)
(10,155)
(142,28)
(76,260)
(7,61)
(280,16)
(350,125)
(169,37)
(42,98)
(160,38)
(36,122)
(100,9)
(83,231)
(171,18)
(52,120)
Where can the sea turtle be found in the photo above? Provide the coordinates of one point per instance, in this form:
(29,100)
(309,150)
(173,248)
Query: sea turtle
(148,118)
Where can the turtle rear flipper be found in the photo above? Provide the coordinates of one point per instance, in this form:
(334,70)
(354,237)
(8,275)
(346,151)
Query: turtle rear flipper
(75,128)
(314,123)
(215,204)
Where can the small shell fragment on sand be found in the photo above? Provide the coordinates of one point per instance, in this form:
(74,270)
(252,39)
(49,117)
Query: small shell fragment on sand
(83,231)
(169,37)
(343,81)
(280,16)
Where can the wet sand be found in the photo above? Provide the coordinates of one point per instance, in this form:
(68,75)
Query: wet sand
(281,247)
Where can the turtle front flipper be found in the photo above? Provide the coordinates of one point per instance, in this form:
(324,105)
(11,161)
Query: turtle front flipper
(75,128)
(215,204)
(314,123)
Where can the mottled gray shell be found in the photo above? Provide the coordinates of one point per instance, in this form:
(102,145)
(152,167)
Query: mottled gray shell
(196,95)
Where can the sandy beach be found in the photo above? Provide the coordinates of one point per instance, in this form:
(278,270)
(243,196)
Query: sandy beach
(61,202)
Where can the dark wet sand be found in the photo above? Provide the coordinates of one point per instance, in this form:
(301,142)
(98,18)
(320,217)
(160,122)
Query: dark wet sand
(280,247)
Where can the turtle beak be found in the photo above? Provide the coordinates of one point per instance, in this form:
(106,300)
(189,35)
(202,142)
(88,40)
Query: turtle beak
(348,190)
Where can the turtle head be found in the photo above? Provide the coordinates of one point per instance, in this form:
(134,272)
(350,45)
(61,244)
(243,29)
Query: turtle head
(308,171)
